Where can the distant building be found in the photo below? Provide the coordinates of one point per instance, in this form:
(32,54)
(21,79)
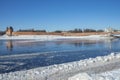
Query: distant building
(109,30)
(9,31)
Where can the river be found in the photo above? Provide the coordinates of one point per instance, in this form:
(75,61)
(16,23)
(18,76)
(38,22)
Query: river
(18,55)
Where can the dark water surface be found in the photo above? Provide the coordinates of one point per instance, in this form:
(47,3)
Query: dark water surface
(26,54)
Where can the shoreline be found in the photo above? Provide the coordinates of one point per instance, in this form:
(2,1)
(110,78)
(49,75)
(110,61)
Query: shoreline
(53,37)
(69,71)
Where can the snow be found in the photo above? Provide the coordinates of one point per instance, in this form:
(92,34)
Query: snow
(99,68)
(52,37)
(82,76)
(111,75)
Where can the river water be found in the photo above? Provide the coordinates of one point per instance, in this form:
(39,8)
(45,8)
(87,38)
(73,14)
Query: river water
(18,55)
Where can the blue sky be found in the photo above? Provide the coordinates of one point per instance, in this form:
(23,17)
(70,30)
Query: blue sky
(59,14)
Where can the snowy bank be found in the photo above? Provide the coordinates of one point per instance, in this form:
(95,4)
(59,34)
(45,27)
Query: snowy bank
(110,75)
(99,68)
(52,37)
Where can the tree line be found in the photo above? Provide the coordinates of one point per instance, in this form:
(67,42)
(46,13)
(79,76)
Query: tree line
(2,32)
(77,30)
(31,30)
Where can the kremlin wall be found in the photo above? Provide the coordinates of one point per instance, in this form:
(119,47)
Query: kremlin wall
(10,32)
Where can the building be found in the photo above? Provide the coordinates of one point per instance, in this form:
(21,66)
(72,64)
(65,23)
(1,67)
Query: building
(9,31)
(109,30)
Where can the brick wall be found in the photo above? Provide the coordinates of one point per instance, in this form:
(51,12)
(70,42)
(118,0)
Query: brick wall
(36,33)
(62,34)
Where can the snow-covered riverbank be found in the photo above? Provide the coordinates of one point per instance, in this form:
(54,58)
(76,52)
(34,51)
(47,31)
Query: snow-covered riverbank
(52,37)
(99,68)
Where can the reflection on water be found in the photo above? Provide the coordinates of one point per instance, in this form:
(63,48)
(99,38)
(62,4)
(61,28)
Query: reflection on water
(23,54)
(80,43)
(9,45)
(109,44)
(31,46)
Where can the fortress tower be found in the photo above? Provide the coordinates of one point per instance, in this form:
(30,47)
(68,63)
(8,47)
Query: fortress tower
(9,31)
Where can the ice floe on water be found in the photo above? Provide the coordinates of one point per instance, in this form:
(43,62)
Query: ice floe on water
(99,68)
